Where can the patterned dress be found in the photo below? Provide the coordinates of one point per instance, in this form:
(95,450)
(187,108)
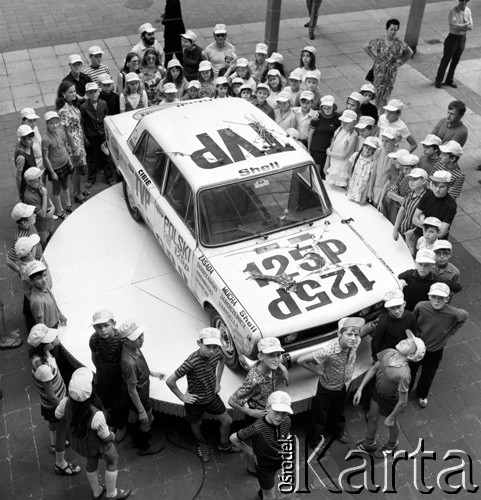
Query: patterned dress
(360,177)
(384,68)
(381,169)
(70,117)
(151,79)
(338,171)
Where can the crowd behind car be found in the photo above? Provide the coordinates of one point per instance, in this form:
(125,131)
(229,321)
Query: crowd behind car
(356,146)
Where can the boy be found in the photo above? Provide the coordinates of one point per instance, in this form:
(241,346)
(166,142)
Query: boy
(262,93)
(170,93)
(294,89)
(96,67)
(367,108)
(266,433)
(108,95)
(29,117)
(430,156)
(334,364)
(436,321)
(136,373)
(390,393)
(304,114)
(391,327)
(431,228)
(448,161)
(444,269)
(310,84)
(417,282)
(106,347)
(192,91)
(203,369)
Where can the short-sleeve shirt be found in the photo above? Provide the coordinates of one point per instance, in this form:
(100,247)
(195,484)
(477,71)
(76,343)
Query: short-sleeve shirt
(108,350)
(134,368)
(397,125)
(410,203)
(457,178)
(443,208)
(79,84)
(390,331)
(43,307)
(391,380)
(201,375)
(53,146)
(21,233)
(48,372)
(323,131)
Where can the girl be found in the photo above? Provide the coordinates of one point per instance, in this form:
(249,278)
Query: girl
(52,389)
(70,119)
(235,86)
(307,61)
(365,128)
(275,61)
(354,101)
(131,65)
(221,87)
(133,97)
(89,433)
(274,81)
(193,89)
(259,64)
(342,146)
(206,79)
(246,92)
(175,75)
(151,74)
(242,71)
(57,163)
(361,165)
(24,157)
(170,93)
(283,112)
(229,57)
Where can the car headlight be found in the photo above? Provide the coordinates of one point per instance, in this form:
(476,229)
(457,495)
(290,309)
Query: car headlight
(364,312)
(289,339)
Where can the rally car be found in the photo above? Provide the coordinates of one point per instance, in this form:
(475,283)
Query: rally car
(240,210)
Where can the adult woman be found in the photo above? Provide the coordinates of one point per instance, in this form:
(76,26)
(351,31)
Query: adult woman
(151,73)
(216,50)
(388,53)
(71,121)
(131,65)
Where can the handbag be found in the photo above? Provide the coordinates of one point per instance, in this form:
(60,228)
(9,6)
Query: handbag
(370,75)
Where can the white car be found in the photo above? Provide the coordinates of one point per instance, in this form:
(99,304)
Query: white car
(239,208)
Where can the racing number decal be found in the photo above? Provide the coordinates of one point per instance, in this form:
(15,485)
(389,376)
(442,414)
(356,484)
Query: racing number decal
(310,293)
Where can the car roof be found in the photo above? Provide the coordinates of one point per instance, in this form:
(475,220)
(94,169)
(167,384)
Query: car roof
(222,140)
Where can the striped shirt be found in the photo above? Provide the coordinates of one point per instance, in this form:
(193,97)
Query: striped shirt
(94,73)
(265,438)
(24,233)
(391,380)
(201,375)
(108,350)
(48,372)
(457,180)
(338,364)
(410,204)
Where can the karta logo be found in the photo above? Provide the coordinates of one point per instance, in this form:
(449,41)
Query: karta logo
(457,476)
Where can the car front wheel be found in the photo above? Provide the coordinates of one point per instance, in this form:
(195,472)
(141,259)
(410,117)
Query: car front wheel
(228,345)
(129,200)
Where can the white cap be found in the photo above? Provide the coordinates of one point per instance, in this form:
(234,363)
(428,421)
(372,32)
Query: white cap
(356,96)
(425,256)
(365,121)
(146,28)
(350,321)
(210,336)
(220,29)
(221,80)
(32,173)
(442,245)
(348,116)
(245,86)
(24,245)
(307,94)
(398,154)
(280,401)
(205,66)
(41,334)
(24,130)
(295,75)
(282,96)
(274,72)
(373,142)
(242,62)
(131,330)
(368,87)
(105,78)
(327,100)
(101,316)
(169,88)
(418,172)
(269,344)
(275,57)
(261,48)
(393,298)
(95,49)
(194,83)
(190,35)
(442,176)
(420,347)
(173,63)
(432,221)
(29,114)
(309,48)
(409,160)
(22,211)
(390,133)
(91,86)
(452,147)
(132,77)
(394,105)
(237,79)
(266,87)
(432,140)
(316,75)
(35,266)
(49,115)
(74,58)
(439,289)
(80,386)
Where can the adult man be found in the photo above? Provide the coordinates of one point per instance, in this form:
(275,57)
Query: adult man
(192,55)
(312,10)
(452,128)
(460,21)
(334,363)
(148,41)
(96,67)
(217,49)
(450,154)
(78,78)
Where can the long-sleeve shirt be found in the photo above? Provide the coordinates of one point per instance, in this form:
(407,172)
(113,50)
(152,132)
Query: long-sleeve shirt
(417,288)
(457,18)
(390,331)
(435,326)
(456,131)
(457,181)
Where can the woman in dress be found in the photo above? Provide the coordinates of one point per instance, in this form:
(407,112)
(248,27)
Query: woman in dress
(151,73)
(389,53)
(71,121)
(131,65)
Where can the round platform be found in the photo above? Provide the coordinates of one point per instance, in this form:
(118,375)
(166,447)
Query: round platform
(101,258)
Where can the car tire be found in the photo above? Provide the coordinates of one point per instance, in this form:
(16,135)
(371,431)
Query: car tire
(129,201)
(228,346)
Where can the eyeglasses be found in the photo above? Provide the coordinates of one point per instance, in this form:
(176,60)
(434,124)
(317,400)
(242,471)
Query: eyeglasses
(220,35)
(135,61)
(151,58)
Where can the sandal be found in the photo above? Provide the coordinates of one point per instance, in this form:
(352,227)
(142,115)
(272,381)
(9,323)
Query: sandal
(10,343)
(62,215)
(69,209)
(68,470)
(86,193)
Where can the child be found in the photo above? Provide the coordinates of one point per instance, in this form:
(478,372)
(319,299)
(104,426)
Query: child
(283,114)
(334,363)
(90,435)
(235,85)
(431,228)
(35,194)
(417,282)
(24,157)
(206,79)
(245,92)
(229,57)
(444,269)
(29,117)
(193,89)
(262,93)
(436,321)
(361,165)
(175,75)
(57,163)
(390,395)
(242,71)
(221,87)
(275,61)
(307,62)
(304,114)
(133,96)
(354,101)
(274,81)
(391,327)
(170,93)
(52,390)
(342,146)
(107,94)
(42,302)
(294,87)
(266,433)
(367,108)
(311,81)
(106,348)
(431,153)
(451,152)
(136,373)
(259,64)
(203,369)
(365,127)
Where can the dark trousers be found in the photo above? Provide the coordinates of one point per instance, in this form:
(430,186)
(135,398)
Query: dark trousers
(327,412)
(110,391)
(313,10)
(453,49)
(96,160)
(429,366)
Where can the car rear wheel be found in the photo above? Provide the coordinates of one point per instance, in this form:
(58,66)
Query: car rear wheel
(228,345)
(129,200)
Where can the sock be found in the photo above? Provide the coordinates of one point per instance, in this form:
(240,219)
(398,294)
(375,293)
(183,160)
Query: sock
(60,459)
(93,479)
(110,482)
(53,437)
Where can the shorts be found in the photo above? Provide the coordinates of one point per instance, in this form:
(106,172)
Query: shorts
(62,182)
(144,395)
(194,412)
(385,406)
(43,224)
(49,415)
(266,474)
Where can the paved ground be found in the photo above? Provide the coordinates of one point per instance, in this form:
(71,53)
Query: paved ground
(30,77)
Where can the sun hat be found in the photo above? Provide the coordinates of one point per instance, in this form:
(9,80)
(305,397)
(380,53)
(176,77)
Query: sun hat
(418,172)
(365,121)
(295,75)
(22,211)
(309,48)
(452,147)
(373,142)
(237,79)
(432,140)
(221,80)
(189,35)
(409,160)
(282,96)
(41,334)
(432,221)
(390,133)
(313,74)
(169,88)
(194,83)
(24,130)
(393,298)
(274,72)
(105,79)
(280,401)
(132,77)
(220,29)
(398,154)
(146,28)
(356,96)
(442,176)
(80,385)
(242,62)
(267,345)
(350,321)
(394,105)
(275,57)
(173,63)
(261,48)
(442,245)
(425,256)
(32,173)
(49,115)
(131,330)
(205,66)
(92,86)
(210,336)
(29,114)
(245,86)
(101,316)
(24,245)
(348,116)
(327,100)
(306,94)
(440,289)
(35,266)
(368,87)
(74,58)
(95,49)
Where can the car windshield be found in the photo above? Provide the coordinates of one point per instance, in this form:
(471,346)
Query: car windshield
(261,205)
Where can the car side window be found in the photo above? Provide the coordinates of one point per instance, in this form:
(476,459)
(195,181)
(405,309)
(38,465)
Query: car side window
(152,158)
(179,194)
